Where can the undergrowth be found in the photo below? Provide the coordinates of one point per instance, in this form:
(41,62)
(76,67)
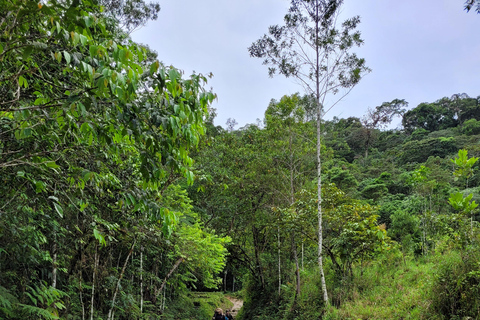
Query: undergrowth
(389,288)
(196,305)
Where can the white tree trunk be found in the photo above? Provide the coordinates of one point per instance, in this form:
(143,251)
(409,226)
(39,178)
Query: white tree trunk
(141,279)
(54,263)
(95,264)
(319,161)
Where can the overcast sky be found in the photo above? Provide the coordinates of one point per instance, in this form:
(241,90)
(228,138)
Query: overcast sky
(418,50)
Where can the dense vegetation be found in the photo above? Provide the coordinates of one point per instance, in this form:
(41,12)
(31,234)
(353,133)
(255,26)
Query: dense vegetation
(95,133)
(121,199)
(401,223)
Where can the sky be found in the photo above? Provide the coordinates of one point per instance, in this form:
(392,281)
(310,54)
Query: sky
(418,50)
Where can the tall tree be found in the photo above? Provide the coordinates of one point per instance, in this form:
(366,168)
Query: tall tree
(130,14)
(380,117)
(311,48)
(469,4)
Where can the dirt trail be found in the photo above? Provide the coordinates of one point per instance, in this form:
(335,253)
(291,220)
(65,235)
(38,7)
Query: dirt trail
(237,305)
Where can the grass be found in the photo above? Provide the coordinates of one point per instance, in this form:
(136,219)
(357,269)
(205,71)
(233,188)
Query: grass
(389,289)
(196,306)
(209,301)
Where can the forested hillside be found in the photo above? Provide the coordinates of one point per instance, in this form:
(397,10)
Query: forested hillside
(398,203)
(121,199)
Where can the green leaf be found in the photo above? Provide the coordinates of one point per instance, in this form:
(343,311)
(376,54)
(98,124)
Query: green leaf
(190,177)
(52,164)
(122,55)
(83,206)
(83,111)
(85,127)
(22,82)
(99,237)
(88,21)
(27,52)
(154,67)
(40,186)
(93,50)
(75,37)
(83,39)
(67,56)
(85,66)
(90,139)
(58,56)
(87,176)
(59,209)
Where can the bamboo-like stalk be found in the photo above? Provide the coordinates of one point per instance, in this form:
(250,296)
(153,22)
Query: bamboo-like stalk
(95,265)
(141,279)
(110,312)
(54,263)
(175,266)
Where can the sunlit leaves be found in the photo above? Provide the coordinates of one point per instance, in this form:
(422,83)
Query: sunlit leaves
(461,203)
(463,164)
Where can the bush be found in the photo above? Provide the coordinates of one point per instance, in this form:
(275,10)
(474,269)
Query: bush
(471,127)
(456,288)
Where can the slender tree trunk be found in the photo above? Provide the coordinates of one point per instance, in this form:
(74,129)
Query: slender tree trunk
(366,156)
(279,263)
(297,267)
(110,312)
(302,255)
(164,298)
(80,289)
(471,224)
(95,265)
(257,256)
(54,263)
(425,249)
(175,266)
(292,188)
(154,298)
(367,144)
(141,279)
(319,161)
(225,280)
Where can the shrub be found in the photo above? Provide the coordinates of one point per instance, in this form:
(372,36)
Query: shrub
(456,287)
(471,127)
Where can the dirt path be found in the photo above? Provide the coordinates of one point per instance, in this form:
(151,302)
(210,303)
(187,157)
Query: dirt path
(237,305)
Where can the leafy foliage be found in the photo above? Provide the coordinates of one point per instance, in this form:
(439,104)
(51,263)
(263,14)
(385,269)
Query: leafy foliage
(95,147)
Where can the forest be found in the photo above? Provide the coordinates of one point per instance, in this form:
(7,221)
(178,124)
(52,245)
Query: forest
(122,199)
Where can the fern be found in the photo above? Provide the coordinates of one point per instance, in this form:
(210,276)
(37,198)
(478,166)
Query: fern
(36,312)
(7,301)
(46,302)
